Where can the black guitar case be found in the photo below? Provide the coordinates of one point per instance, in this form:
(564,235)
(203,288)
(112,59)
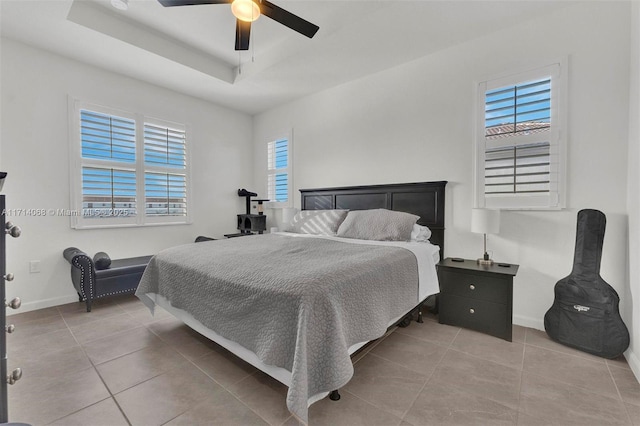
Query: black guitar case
(585,311)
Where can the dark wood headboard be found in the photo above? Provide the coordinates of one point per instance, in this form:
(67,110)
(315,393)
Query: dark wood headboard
(424,199)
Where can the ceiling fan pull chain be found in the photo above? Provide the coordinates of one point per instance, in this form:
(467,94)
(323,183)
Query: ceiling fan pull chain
(253,46)
(239,63)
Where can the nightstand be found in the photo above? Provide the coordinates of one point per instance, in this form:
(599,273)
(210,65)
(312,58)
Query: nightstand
(477,297)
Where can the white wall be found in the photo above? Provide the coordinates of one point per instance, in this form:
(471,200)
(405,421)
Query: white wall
(632,296)
(35,152)
(414,123)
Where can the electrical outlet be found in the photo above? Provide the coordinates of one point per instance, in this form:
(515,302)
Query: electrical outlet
(34,266)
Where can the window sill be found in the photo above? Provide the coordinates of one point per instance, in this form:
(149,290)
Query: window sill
(127,225)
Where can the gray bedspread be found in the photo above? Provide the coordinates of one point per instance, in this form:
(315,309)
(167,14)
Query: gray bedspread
(297,303)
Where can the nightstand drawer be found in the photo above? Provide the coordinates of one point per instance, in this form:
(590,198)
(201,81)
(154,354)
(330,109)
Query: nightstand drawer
(480,315)
(488,288)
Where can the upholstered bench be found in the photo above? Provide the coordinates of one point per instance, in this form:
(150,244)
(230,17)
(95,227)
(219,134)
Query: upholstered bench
(104,277)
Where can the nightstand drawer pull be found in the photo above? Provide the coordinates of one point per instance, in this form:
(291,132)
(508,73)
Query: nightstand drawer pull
(472,287)
(472,311)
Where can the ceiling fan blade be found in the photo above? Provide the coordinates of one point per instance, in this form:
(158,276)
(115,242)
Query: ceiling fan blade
(243,30)
(171,3)
(287,19)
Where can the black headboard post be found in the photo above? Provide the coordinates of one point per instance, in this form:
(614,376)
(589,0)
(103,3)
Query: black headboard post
(424,199)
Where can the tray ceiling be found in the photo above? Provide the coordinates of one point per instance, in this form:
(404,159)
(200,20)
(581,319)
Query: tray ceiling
(191,49)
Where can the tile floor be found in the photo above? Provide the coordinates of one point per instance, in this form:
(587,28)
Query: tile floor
(118,365)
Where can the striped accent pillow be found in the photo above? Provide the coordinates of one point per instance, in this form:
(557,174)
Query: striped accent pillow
(318,222)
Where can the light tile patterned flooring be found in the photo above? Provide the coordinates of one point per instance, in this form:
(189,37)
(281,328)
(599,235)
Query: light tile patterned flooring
(118,365)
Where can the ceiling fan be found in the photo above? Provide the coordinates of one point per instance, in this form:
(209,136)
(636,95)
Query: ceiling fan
(247,11)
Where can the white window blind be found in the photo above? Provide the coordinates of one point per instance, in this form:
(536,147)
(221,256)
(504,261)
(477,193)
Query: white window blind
(520,109)
(278,171)
(108,192)
(107,137)
(165,189)
(519,152)
(164,146)
(517,169)
(127,169)
(165,194)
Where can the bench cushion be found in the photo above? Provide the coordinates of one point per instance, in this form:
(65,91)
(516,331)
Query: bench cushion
(119,267)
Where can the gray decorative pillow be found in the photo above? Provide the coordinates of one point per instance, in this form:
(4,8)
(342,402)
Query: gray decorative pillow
(318,222)
(101,260)
(378,224)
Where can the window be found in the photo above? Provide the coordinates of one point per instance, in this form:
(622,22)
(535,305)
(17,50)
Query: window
(279,172)
(108,146)
(519,150)
(165,181)
(127,169)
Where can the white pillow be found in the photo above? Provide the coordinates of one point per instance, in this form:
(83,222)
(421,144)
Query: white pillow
(420,233)
(318,222)
(378,224)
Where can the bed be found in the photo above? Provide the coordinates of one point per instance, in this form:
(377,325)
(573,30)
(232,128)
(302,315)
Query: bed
(294,305)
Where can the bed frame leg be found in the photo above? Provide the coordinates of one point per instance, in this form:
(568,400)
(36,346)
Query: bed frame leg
(334,395)
(405,322)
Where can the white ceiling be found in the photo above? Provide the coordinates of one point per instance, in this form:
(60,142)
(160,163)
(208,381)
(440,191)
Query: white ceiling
(191,49)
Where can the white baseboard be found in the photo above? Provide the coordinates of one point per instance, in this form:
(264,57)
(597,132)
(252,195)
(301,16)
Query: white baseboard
(41,304)
(634,363)
(535,323)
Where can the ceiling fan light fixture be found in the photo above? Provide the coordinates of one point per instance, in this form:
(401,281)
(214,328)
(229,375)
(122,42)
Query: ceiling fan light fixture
(245,10)
(120,4)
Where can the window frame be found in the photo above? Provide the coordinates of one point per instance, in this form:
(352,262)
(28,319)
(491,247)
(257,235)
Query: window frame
(167,220)
(289,170)
(555,199)
(77,162)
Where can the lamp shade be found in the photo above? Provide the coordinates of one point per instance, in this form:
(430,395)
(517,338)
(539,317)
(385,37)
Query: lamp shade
(485,221)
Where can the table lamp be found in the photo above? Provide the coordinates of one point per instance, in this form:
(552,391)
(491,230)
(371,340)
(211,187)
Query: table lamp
(485,221)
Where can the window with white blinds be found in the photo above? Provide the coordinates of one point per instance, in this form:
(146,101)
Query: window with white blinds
(279,172)
(165,194)
(518,109)
(108,137)
(165,180)
(108,192)
(126,169)
(164,146)
(519,155)
(517,169)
